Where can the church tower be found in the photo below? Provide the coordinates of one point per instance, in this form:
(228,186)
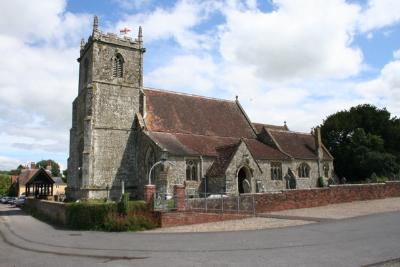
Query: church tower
(102,149)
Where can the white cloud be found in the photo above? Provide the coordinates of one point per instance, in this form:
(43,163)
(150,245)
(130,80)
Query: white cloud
(299,40)
(7,163)
(132,4)
(176,23)
(385,89)
(39,73)
(378,14)
(185,73)
(396,54)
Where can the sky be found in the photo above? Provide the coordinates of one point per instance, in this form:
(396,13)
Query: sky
(286,60)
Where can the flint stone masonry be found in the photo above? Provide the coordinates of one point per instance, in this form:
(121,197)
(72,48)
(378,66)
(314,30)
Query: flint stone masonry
(102,146)
(115,121)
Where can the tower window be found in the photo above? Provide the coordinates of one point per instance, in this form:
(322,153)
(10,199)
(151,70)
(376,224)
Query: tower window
(304,170)
(118,66)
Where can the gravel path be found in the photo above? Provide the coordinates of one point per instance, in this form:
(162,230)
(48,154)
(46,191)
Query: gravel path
(346,210)
(233,225)
(334,211)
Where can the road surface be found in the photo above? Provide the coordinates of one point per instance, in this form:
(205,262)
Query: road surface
(358,241)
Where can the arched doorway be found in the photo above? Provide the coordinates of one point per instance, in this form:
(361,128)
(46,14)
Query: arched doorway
(244,184)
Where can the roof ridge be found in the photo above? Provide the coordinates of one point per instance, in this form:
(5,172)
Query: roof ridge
(288,131)
(187,94)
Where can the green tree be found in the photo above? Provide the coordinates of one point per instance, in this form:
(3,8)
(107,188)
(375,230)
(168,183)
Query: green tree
(55,168)
(5,184)
(17,171)
(364,140)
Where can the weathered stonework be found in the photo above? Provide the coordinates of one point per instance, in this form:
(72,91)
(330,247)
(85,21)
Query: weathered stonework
(102,149)
(110,141)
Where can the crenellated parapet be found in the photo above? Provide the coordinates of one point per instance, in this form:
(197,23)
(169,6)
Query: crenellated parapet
(111,38)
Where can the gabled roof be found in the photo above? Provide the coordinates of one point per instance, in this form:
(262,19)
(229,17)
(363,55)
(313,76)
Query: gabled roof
(173,112)
(264,151)
(224,158)
(298,145)
(196,145)
(221,163)
(190,144)
(41,175)
(25,175)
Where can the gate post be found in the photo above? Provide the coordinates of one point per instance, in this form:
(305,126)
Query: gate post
(179,193)
(149,191)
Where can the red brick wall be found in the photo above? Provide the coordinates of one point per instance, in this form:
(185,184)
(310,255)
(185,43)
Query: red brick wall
(295,199)
(169,219)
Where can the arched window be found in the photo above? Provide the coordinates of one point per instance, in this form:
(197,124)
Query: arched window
(118,66)
(191,170)
(304,170)
(276,171)
(149,162)
(326,170)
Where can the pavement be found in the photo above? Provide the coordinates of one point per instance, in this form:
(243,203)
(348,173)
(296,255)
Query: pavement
(293,217)
(367,240)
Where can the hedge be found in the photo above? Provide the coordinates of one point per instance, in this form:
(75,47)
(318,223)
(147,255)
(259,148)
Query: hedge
(96,216)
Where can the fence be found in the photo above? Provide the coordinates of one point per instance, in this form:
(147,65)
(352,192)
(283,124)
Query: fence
(164,201)
(221,203)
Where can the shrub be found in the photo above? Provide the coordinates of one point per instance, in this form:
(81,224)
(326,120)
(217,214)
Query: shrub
(382,179)
(88,216)
(123,204)
(108,216)
(133,221)
(321,182)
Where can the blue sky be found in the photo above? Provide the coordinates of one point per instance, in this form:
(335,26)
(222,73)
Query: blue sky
(294,61)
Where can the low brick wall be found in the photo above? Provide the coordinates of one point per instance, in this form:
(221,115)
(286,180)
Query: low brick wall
(56,211)
(306,198)
(168,219)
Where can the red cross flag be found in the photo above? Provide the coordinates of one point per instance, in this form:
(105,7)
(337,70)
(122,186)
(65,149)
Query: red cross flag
(124,30)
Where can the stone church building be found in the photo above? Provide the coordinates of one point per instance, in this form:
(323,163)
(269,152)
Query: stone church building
(120,129)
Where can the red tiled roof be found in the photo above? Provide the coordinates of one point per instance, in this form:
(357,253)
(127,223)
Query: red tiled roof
(188,144)
(260,126)
(221,163)
(193,125)
(25,175)
(298,145)
(41,175)
(260,150)
(181,113)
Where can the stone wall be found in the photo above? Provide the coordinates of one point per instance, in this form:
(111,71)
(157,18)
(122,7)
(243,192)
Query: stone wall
(306,198)
(56,211)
